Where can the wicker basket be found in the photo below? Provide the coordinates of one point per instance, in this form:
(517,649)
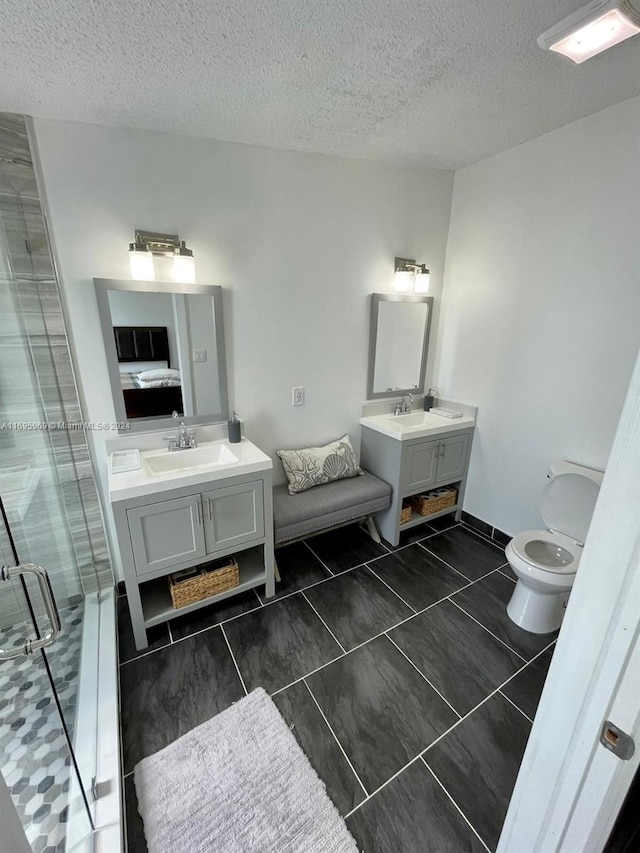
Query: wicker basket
(405,513)
(209,579)
(435,501)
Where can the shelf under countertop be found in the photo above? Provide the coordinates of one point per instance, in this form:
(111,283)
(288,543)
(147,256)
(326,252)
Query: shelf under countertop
(158,607)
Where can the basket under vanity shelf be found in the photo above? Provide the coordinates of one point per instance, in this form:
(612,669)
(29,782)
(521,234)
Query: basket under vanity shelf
(416,454)
(180,520)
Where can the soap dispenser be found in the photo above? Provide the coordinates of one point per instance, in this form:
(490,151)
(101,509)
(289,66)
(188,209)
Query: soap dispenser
(429,399)
(233,424)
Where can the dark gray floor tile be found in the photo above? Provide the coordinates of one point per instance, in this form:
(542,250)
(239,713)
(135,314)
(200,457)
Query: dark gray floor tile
(478,762)
(345,548)
(207,617)
(301,713)
(443,522)
(462,660)
(136,842)
(508,572)
(501,538)
(487,602)
(477,524)
(357,606)
(382,711)
(280,643)
(417,576)
(414,534)
(298,568)
(470,554)
(526,688)
(412,814)
(168,693)
(158,635)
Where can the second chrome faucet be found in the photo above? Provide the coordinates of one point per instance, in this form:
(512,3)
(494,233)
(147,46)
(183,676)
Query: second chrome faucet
(404,406)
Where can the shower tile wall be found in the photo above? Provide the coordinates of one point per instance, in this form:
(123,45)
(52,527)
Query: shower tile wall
(31,313)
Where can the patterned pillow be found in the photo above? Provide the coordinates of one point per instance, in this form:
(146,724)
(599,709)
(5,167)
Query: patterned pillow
(313,466)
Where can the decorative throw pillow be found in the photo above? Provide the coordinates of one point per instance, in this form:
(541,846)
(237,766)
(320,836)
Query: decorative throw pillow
(313,466)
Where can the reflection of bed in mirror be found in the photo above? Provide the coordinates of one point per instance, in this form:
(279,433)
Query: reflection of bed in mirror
(151,387)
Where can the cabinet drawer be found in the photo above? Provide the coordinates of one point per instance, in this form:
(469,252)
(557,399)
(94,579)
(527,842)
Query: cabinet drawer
(419,466)
(233,515)
(166,534)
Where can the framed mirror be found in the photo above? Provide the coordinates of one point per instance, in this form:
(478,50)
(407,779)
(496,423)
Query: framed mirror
(398,344)
(164,344)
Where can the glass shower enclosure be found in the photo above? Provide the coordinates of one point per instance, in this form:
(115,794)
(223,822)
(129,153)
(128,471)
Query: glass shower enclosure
(55,573)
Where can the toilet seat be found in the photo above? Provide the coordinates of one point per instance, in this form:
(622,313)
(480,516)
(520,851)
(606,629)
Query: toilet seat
(558,555)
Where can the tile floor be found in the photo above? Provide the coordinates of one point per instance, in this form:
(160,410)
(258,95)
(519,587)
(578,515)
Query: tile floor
(34,754)
(406,684)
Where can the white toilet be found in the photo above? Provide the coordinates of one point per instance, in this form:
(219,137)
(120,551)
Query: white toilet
(546,561)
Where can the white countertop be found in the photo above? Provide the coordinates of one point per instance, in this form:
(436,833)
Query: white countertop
(415,424)
(139,483)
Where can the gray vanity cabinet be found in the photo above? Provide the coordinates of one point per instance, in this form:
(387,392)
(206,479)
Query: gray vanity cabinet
(233,515)
(167,533)
(414,466)
(163,532)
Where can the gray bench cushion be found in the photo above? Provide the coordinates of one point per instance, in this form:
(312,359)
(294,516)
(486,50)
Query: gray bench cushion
(326,506)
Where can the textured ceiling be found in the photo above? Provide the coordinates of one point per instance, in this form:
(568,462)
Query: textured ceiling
(441,83)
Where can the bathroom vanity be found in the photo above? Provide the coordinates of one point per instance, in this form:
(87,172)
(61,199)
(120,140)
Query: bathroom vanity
(416,453)
(187,508)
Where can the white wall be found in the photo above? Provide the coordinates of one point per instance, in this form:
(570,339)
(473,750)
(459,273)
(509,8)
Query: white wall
(541,314)
(298,241)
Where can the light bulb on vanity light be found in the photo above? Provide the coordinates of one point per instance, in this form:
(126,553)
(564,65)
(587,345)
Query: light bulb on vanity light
(403,281)
(184,266)
(141,262)
(422,280)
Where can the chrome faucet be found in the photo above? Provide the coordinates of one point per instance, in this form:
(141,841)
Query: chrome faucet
(182,440)
(404,406)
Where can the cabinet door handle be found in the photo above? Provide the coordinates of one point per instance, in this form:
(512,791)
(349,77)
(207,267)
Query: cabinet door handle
(199,511)
(442,449)
(210,509)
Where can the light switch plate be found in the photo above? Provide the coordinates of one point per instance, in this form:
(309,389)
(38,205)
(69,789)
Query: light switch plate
(199,355)
(297,396)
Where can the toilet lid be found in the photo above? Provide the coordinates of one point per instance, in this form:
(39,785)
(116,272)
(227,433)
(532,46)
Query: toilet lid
(567,505)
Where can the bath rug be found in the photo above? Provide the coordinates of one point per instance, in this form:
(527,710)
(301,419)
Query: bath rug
(239,783)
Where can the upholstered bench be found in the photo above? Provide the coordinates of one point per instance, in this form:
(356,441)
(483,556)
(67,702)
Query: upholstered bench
(330,505)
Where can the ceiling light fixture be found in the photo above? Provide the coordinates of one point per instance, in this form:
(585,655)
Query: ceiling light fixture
(150,245)
(410,277)
(595,27)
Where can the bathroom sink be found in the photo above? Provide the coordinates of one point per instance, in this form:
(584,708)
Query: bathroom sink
(417,419)
(194,458)
(415,424)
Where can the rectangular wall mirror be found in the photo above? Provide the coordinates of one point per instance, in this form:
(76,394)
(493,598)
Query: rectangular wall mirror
(398,344)
(164,344)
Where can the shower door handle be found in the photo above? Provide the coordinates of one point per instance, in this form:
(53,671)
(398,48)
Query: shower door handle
(29,646)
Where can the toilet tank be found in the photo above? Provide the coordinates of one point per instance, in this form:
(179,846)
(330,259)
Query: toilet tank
(562,467)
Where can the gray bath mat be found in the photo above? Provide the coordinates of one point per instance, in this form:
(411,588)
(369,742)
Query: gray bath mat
(238,783)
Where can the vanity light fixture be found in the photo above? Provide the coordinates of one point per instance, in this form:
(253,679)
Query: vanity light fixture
(410,277)
(593,28)
(150,245)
